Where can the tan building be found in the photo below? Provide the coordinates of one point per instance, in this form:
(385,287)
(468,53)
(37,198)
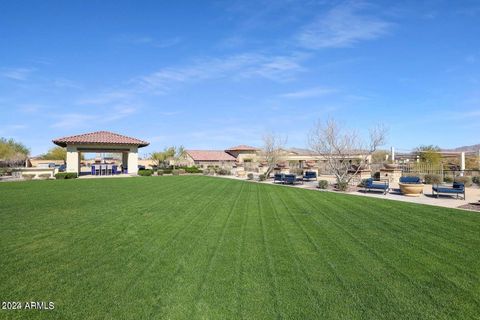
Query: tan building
(207,158)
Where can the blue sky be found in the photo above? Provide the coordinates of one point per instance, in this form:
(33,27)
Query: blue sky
(216,74)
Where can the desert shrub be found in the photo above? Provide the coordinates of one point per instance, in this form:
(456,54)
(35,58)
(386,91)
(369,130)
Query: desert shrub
(145,173)
(467,181)
(6,171)
(66,175)
(262,177)
(167,171)
(223,172)
(476,180)
(448,179)
(342,186)
(28,176)
(44,176)
(177,172)
(433,179)
(323,184)
(159,172)
(250,176)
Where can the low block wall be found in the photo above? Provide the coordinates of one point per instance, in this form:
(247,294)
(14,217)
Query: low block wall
(18,173)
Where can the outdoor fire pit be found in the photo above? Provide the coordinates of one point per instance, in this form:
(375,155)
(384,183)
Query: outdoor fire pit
(411,189)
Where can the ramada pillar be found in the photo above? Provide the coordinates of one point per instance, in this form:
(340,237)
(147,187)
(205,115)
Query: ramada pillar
(73,159)
(133,160)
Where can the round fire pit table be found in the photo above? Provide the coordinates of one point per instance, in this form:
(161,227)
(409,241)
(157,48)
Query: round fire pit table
(411,189)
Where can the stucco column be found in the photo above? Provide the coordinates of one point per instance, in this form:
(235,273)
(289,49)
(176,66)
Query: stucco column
(73,159)
(133,160)
(124,159)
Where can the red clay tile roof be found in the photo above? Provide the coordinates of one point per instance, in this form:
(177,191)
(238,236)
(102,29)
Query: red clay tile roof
(101,137)
(242,147)
(210,155)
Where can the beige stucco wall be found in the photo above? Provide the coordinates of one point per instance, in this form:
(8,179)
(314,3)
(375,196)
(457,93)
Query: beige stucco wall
(133,160)
(72,159)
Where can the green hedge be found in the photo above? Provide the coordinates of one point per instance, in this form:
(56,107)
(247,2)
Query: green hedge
(66,175)
(145,173)
(191,169)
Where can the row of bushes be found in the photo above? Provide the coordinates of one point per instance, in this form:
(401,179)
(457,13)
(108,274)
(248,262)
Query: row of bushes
(66,175)
(437,179)
(175,172)
(216,170)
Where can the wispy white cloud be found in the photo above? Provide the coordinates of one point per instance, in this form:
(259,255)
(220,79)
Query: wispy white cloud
(118,112)
(343,26)
(84,120)
(309,93)
(249,65)
(19,74)
(72,120)
(107,97)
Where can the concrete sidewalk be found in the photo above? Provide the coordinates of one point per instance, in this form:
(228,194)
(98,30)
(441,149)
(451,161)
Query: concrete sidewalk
(472,194)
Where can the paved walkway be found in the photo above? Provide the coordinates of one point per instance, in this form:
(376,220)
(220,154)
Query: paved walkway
(472,194)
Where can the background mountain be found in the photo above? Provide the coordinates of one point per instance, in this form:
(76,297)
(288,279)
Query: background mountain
(474,147)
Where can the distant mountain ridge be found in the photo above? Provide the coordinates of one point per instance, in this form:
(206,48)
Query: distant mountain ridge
(474,147)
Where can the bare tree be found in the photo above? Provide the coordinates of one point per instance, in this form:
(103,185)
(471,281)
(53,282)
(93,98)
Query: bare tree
(272,149)
(340,147)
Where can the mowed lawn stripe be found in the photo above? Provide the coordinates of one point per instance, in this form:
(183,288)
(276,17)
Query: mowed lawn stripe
(362,271)
(203,247)
(406,262)
(427,262)
(216,292)
(437,250)
(297,294)
(155,275)
(193,254)
(334,260)
(159,252)
(88,260)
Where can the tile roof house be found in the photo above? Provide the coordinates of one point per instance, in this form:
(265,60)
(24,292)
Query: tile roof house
(210,155)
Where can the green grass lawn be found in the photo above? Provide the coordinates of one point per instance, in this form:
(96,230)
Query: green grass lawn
(200,247)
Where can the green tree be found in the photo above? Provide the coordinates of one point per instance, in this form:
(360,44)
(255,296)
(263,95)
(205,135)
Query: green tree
(55,153)
(161,158)
(429,154)
(12,151)
(177,154)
